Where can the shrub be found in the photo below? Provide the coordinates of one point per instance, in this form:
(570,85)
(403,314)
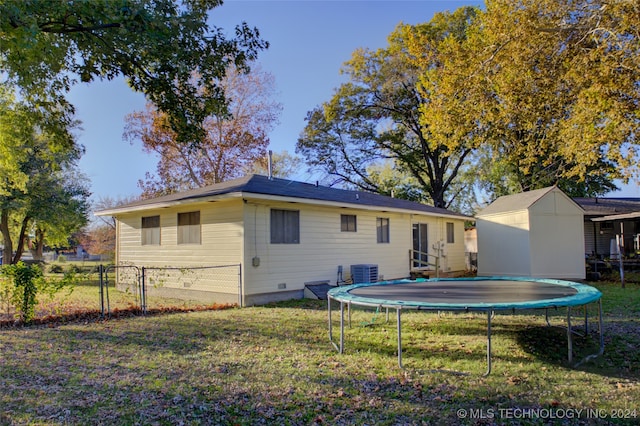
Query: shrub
(56,269)
(21,283)
(74,269)
(22,296)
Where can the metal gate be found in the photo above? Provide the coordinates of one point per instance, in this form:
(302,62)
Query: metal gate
(125,278)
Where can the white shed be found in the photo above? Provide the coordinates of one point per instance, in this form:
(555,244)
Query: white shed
(536,233)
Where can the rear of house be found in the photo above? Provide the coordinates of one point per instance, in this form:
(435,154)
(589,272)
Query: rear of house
(279,235)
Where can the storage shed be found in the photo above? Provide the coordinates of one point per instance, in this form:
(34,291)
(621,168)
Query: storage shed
(536,233)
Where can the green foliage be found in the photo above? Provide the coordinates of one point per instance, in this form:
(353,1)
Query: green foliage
(555,90)
(42,193)
(522,95)
(48,46)
(377,115)
(20,285)
(25,280)
(233,139)
(56,269)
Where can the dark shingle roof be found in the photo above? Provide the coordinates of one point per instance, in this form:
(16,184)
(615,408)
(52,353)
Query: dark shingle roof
(262,185)
(608,206)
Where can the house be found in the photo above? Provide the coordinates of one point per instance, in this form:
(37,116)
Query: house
(536,233)
(604,218)
(284,234)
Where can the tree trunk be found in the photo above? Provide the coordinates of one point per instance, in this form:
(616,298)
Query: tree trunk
(6,237)
(21,239)
(38,245)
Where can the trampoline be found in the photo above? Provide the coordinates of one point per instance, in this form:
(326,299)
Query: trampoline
(478,294)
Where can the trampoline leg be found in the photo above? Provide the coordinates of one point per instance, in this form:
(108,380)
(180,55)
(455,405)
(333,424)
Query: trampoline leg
(341,350)
(329,316)
(489,313)
(349,312)
(600,326)
(330,325)
(569,339)
(586,321)
(399,338)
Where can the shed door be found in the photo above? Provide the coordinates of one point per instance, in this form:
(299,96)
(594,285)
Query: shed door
(420,245)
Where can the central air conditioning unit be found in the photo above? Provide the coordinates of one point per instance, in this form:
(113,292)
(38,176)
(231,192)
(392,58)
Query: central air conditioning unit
(365,273)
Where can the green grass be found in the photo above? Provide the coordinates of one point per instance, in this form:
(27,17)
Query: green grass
(275,365)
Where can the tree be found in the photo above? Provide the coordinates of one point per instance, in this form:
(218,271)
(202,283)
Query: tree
(99,237)
(47,46)
(232,142)
(557,95)
(376,116)
(392,181)
(283,165)
(59,206)
(36,194)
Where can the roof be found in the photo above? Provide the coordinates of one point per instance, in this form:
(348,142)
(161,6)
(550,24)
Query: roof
(258,186)
(516,202)
(608,206)
(623,216)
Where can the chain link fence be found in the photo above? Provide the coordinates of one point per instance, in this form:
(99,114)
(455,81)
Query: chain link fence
(157,288)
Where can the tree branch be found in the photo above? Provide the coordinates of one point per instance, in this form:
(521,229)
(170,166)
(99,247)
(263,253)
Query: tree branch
(50,27)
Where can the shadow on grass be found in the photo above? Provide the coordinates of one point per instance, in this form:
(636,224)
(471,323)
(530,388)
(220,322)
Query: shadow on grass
(621,357)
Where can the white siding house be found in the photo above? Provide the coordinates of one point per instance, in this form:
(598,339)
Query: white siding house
(282,234)
(537,233)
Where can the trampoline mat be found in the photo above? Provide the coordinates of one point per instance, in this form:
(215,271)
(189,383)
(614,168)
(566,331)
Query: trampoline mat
(472,292)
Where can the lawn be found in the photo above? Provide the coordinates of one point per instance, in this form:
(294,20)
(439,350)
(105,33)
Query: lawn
(274,365)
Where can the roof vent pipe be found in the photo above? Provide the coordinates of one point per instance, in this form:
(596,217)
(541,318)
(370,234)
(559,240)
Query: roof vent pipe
(270,165)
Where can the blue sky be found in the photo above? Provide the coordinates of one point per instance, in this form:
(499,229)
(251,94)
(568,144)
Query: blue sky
(309,42)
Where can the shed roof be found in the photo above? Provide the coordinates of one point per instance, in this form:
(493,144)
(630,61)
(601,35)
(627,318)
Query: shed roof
(516,202)
(261,186)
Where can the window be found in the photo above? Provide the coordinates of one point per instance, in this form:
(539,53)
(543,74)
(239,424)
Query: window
(606,226)
(189,228)
(151,231)
(382,228)
(285,226)
(450,233)
(348,223)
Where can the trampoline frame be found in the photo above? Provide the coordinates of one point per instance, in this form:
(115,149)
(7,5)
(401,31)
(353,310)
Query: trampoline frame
(587,295)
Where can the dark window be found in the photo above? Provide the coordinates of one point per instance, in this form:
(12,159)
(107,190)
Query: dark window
(285,226)
(606,226)
(450,233)
(348,223)
(189,228)
(151,230)
(382,229)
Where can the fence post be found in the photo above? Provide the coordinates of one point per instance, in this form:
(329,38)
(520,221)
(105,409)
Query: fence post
(101,271)
(143,292)
(240,295)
